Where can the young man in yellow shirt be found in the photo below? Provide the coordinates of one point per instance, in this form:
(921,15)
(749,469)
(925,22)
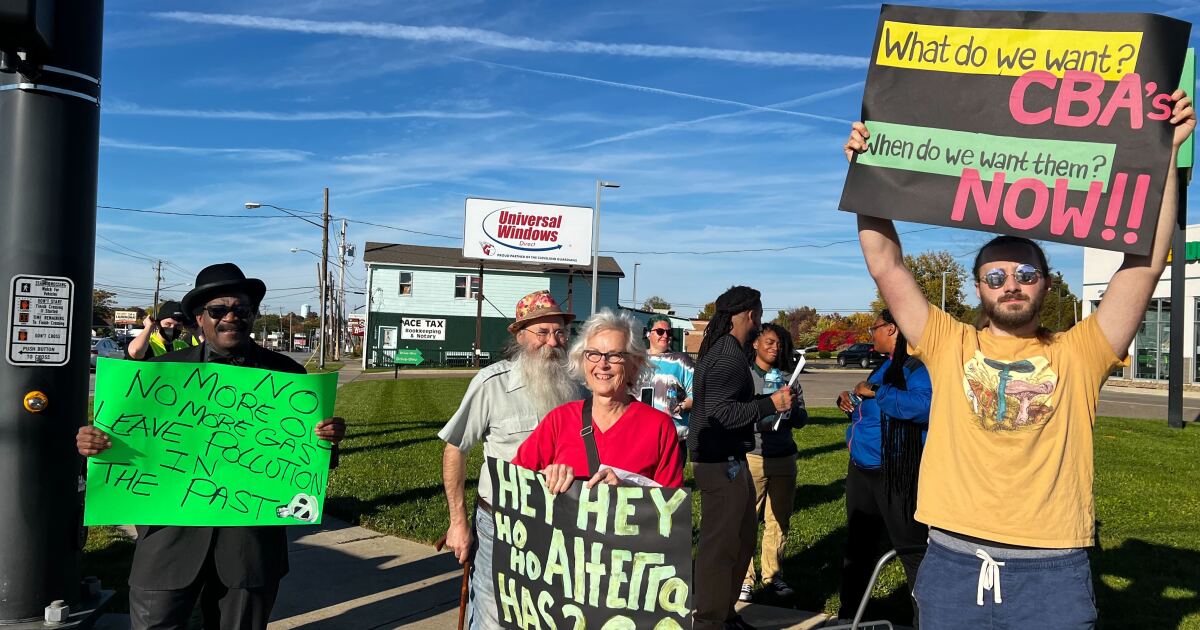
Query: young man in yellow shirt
(1006,478)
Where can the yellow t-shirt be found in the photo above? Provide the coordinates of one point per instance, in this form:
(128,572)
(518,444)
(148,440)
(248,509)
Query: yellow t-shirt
(1009,452)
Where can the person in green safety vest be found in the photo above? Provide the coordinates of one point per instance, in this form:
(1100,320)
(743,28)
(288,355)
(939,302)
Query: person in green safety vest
(160,335)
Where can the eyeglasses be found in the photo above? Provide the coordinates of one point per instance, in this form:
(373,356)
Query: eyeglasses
(594,356)
(872,329)
(219,311)
(661,332)
(560,334)
(1025,274)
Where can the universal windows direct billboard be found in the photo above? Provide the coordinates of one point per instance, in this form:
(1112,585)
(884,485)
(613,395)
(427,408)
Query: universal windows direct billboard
(518,231)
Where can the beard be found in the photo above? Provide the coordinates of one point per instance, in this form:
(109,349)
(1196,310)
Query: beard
(547,381)
(999,313)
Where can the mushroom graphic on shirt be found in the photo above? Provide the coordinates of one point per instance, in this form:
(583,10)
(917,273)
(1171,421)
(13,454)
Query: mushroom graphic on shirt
(1026,392)
(1006,370)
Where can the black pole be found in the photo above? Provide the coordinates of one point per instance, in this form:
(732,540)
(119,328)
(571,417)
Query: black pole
(1178,308)
(49,140)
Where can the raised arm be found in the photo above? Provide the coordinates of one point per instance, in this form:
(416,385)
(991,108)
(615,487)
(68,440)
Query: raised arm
(885,260)
(1124,303)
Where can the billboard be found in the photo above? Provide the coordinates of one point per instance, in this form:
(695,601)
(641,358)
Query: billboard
(518,231)
(423,328)
(358,323)
(125,317)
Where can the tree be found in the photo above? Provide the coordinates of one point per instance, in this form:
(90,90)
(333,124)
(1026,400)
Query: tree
(927,268)
(1060,309)
(801,322)
(655,302)
(707,312)
(103,304)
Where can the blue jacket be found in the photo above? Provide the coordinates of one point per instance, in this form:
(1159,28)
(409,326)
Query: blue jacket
(864,435)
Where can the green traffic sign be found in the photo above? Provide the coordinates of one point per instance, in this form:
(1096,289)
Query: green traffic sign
(408,357)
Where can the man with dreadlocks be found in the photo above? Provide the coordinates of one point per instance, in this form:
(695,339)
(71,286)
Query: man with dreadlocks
(1007,473)
(889,416)
(720,433)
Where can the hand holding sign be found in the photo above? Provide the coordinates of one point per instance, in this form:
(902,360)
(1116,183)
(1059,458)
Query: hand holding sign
(1057,132)
(207,444)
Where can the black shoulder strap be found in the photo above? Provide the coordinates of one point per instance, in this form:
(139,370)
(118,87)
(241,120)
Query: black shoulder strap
(589,440)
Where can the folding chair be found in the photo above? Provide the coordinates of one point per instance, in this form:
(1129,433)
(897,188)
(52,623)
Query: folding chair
(857,622)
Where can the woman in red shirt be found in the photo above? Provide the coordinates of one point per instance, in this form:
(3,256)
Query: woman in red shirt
(631,437)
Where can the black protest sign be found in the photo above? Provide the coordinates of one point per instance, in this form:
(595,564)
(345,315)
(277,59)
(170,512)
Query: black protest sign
(1045,125)
(606,557)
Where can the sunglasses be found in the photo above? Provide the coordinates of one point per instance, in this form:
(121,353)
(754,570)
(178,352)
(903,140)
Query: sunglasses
(219,311)
(661,332)
(1024,274)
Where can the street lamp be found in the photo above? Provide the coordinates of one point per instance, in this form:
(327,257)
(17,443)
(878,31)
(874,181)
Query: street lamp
(324,225)
(635,268)
(596,241)
(944,289)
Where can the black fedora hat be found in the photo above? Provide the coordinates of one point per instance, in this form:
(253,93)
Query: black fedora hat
(220,280)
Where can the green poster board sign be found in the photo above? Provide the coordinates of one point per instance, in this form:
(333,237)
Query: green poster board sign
(409,357)
(1188,82)
(208,445)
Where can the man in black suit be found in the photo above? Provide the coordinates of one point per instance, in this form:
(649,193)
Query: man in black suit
(234,571)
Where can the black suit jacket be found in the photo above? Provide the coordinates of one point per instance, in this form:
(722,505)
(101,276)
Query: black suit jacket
(170,558)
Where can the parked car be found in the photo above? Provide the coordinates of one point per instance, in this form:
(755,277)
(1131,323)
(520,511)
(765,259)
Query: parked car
(105,347)
(862,354)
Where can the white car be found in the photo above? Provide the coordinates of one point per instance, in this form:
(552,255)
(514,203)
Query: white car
(105,347)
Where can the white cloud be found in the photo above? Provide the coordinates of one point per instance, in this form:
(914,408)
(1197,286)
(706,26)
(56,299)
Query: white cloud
(255,154)
(653,90)
(132,109)
(456,34)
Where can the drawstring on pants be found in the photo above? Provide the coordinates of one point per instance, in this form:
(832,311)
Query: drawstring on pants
(989,577)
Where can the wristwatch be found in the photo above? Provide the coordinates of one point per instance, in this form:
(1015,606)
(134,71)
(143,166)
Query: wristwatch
(874,387)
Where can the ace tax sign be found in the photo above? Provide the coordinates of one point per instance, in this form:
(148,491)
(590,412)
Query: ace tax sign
(517,231)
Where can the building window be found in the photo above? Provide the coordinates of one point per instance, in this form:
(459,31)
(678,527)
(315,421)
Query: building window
(460,286)
(1151,345)
(405,283)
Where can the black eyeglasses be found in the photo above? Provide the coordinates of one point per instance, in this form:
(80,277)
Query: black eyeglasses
(219,311)
(872,329)
(594,356)
(1025,274)
(661,332)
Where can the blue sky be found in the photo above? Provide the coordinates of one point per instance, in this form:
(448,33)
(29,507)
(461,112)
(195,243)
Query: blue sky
(722,121)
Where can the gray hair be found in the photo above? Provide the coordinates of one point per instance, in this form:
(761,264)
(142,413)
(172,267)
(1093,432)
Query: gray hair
(605,320)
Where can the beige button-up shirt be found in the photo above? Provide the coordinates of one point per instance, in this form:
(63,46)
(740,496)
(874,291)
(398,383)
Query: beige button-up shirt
(494,410)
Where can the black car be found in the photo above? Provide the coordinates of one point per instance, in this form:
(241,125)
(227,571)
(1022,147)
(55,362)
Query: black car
(862,354)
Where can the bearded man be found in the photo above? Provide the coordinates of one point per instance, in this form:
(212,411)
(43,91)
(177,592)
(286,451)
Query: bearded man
(503,404)
(1006,474)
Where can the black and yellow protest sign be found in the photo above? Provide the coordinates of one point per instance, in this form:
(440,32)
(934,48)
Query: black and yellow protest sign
(611,557)
(208,444)
(1045,125)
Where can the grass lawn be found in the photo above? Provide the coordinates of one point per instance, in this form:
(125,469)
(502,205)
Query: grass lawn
(1147,498)
(330,366)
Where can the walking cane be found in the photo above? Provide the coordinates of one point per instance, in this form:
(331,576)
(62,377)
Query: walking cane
(466,584)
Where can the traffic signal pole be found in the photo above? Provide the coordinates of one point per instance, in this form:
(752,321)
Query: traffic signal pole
(49,143)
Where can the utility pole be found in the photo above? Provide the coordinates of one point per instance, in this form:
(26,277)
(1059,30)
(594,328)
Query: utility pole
(324,275)
(337,353)
(50,61)
(635,270)
(478,316)
(157,284)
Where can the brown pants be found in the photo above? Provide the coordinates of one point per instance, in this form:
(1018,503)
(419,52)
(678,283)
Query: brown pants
(775,490)
(727,536)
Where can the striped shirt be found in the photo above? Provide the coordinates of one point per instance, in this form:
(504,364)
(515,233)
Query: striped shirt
(724,405)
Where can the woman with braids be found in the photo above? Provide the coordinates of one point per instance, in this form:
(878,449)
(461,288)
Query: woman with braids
(721,431)
(773,460)
(889,417)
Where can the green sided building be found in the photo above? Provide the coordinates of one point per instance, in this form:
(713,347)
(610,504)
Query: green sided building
(424,298)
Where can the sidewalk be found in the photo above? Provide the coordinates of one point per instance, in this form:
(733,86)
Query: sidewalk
(344,576)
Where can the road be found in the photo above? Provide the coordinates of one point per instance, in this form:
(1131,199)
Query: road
(821,387)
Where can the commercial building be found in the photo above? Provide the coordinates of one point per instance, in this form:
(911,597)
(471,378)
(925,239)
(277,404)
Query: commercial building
(424,298)
(1151,348)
